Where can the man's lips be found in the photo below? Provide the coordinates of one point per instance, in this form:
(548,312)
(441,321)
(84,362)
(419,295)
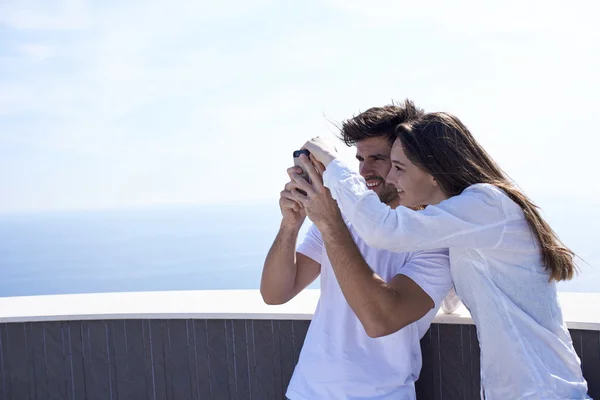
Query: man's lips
(373,182)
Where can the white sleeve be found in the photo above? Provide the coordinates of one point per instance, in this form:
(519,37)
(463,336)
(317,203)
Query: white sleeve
(451,302)
(473,219)
(431,271)
(312,246)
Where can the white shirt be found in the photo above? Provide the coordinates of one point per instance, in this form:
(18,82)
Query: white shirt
(526,349)
(339,361)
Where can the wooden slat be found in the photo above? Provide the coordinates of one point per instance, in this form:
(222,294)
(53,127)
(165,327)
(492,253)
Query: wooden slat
(435,362)
(217,354)
(286,351)
(300,328)
(191,356)
(112,361)
(5,392)
(264,377)
(120,357)
(30,353)
(230,352)
(202,359)
(56,364)
(278,390)
(35,361)
(180,370)
(467,361)
(36,353)
(137,342)
(89,373)
(79,375)
(576,338)
(157,358)
(453,368)
(148,359)
(241,361)
(98,358)
(17,360)
(475,357)
(424,385)
(168,361)
(590,361)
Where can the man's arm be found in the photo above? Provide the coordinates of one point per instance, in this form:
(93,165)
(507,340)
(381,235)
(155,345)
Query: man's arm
(286,272)
(382,308)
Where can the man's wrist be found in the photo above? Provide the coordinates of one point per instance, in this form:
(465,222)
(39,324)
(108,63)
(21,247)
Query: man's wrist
(290,228)
(330,226)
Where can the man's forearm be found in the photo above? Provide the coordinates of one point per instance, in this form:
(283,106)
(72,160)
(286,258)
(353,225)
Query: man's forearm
(279,271)
(369,296)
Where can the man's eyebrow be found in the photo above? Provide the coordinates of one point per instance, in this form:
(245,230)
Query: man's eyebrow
(379,155)
(376,155)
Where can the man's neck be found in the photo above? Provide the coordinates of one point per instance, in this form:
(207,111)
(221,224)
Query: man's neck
(394,203)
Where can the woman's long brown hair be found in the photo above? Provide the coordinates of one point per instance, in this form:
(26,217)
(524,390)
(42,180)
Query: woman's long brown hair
(443,146)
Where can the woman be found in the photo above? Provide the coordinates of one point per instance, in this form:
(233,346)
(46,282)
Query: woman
(505,259)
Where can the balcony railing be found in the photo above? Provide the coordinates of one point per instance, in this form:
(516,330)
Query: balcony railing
(219,345)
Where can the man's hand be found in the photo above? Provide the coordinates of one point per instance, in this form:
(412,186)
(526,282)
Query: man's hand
(292,211)
(321,150)
(320,207)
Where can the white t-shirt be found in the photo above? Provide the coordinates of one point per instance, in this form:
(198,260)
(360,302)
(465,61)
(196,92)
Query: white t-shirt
(526,349)
(338,360)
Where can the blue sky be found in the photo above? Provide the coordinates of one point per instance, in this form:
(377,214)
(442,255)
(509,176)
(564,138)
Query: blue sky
(108,104)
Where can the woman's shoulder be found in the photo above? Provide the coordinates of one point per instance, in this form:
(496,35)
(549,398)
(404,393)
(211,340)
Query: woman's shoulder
(484,191)
(493,194)
(476,200)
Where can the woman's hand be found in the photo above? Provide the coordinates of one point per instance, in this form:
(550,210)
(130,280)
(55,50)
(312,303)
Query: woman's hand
(320,207)
(321,150)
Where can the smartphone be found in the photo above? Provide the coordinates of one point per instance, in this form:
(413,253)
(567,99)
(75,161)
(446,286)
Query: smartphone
(304,174)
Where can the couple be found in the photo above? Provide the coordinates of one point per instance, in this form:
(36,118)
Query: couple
(386,265)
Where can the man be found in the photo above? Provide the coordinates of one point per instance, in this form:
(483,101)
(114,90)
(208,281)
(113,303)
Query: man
(358,347)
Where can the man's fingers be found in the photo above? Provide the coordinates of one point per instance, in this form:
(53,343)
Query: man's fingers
(301,183)
(294,170)
(314,176)
(289,195)
(318,166)
(291,186)
(287,204)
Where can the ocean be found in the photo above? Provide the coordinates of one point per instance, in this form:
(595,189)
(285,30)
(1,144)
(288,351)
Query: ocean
(185,248)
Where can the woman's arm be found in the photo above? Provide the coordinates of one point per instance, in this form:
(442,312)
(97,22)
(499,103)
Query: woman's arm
(474,219)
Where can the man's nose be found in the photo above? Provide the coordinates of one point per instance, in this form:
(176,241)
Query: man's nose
(364,168)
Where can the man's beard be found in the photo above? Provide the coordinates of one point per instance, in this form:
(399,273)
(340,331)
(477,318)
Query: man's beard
(388,194)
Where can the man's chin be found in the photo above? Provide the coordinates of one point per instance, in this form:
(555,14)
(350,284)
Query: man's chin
(388,197)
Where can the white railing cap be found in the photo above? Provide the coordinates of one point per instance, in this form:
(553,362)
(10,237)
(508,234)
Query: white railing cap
(580,310)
